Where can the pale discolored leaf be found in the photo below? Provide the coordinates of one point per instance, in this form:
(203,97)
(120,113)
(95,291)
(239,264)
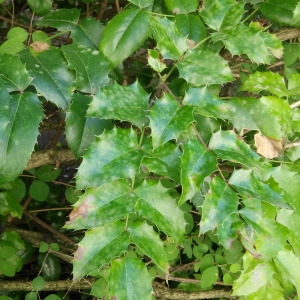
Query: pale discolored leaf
(128,103)
(267,147)
(204,67)
(51,77)
(117,43)
(18,133)
(168,119)
(99,206)
(150,243)
(129,279)
(81,130)
(90,66)
(156,203)
(117,147)
(181,6)
(39,46)
(197,162)
(228,147)
(170,42)
(99,246)
(220,202)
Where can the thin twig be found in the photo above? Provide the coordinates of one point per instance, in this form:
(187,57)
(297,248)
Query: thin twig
(103,8)
(118,6)
(291,145)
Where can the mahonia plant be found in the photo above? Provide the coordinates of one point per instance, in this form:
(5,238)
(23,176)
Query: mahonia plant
(206,132)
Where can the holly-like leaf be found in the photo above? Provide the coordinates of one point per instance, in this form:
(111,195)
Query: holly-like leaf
(81,130)
(18,133)
(156,203)
(168,119)
(197,162)
(149,242)
(181,6)
(235,41)
(142,3)
(206,103)
(40,7)
(248,185)
(204,67)
(99,246)
(90,66)
(219,203)
(9,205)
(129,279)
(265,81)
(250,113)
(99,206)
(13,73)
(222,14)
(117,43)
(51,77)
(117,147)
(128,103)
(228,147)
(170,42)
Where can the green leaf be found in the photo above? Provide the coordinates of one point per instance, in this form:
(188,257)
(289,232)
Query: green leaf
(62,19)
(128,103)
(168,119)
(240,40)
(100,206)
(99,288)
(17,33)
(253,115)
(219,203)
(129,279)
(12,47)
(47,173)
(142,3)
(265,81)
(204,67)
(40,7)
(19,133)
(6,252)
(13,73)
(191,26)
(117,43)
(99,246)
(170,42)
(50,266)
(90,66)
(14,239)
(39,190)
(156,203)
(31,296)
(209,277)
(117,147)
(246,184)
(181,6)
(149,242)
(40,36)
(38,283)
(7,268)
(197,163)
(51,76)
(155,61)
(222,14)
(228,147)
(81,130)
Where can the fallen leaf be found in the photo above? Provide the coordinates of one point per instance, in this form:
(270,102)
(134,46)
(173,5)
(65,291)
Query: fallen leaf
(267,147)
(39,46)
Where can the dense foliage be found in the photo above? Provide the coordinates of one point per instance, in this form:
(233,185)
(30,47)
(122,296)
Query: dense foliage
(182,118)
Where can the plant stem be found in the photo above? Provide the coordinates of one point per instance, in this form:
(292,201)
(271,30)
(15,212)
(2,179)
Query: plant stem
(200,43)
(250,15)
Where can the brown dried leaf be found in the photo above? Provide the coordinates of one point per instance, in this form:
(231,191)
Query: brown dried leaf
(39,46)
(267,147)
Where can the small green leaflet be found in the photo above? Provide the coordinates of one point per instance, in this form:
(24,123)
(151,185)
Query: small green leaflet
(128,103)
(168,119)
(10,205)
(154,60)
(117,147)
(51,77)
(197,162)
(156,203)
(40,7)
(90,66)
(248,185)
(19,133)
(254,46)
(81,130)
(181,6)
(117,43)
(228,147)
(141,3)
(99,246)
(265,81)
(170,42)
(219,203)
(129,279)
(204,67)
(222,14)
(13,73)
